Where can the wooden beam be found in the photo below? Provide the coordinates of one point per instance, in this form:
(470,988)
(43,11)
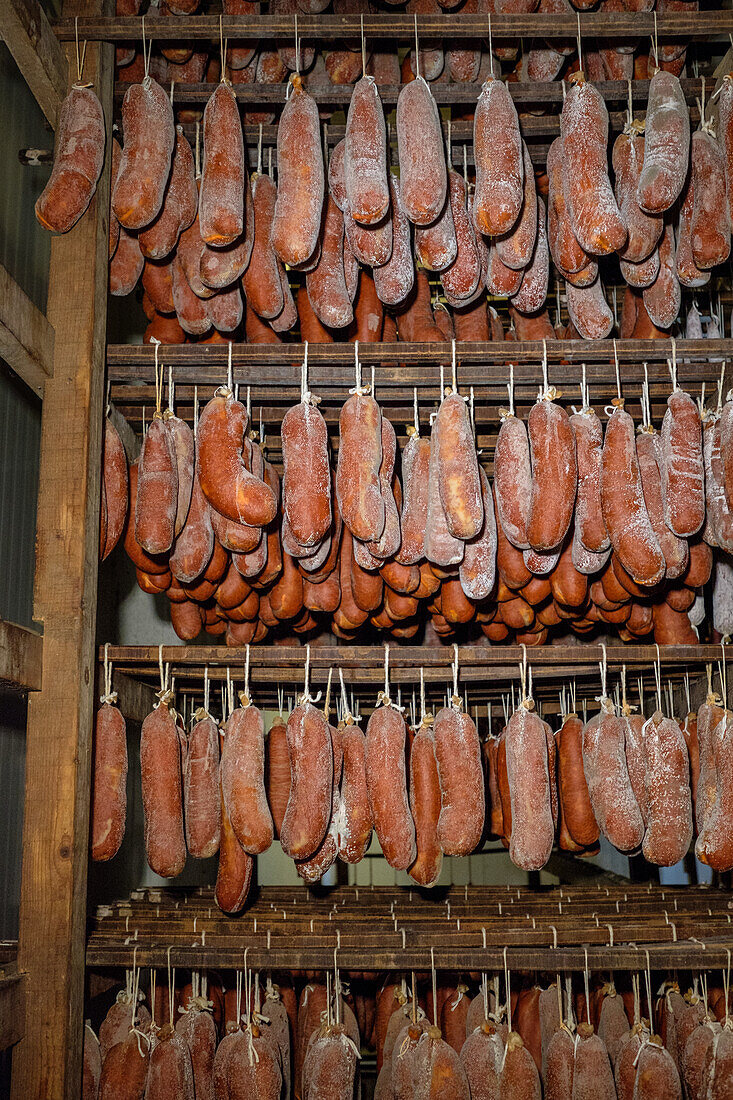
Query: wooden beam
(26,337)
(28,35)
(134,698)
(47,1061)
(12,1006)
(21,656)
(707,25)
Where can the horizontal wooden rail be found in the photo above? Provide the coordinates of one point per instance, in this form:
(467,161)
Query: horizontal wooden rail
(366,663)
(12,1006)
(608,923)
(21,656)
(418,363)
(705,25)
(26,336)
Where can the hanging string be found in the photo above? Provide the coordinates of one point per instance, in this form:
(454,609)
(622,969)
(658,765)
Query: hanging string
(416,414)
(222,51)
(244,697)
(510,387)
(417,53)
(658,678)
(672,366)
(507,983)
(433,973)
(453,365)
(456,699)
(491,52)
(146,53)
(586,982)
(109,696)
(580,51)
(363,48)
(158,381)
(80,62)
(618,372)
(259,152)
(171,988)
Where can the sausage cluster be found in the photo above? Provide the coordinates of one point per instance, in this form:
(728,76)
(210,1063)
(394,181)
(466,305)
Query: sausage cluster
(462,1041)
(583,528)
(203,236)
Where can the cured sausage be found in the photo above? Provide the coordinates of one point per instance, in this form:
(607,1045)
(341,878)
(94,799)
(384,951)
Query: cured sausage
(577,809)
(234,873)
(413,520)
(77,163)
(528,774)
(663,298)
(513,479)
(458,756)
(425,805)
(180,203)
(499,164)
(223,179)
(667,770)
(201,788)
(590,528)
(301,178)
(149,139)
(261,281)
(109,791)
(567,253)
(308,811)
(395,279)
(306,472)
(355,826)
(389,542)
(365,160)
(588,310)
(462,277)
(682,469)
(225,480)
(675,550)
(622,501)
(607,777)
(715,843)
(477,571)
(436,245)
(115,483)
(710,225)
(594,215)
(688,273)
(666,145)
(357,471)
(423,175)
(644,229)
(441,547)
(530,298)
(457,468)
(157,489)
(243,779)
(126,266)
(554,475)
(387,786)
(162,792)
(515,250)
(327,289)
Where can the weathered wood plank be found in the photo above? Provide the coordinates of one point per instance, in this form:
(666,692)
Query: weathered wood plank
(26,336)
(28,35)
(708,25)
(47,1061)
(21,656)
(12,1007)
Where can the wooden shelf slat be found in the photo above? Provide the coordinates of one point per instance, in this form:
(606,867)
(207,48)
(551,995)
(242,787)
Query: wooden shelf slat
(385,928)
(26,336)
(26,31)
(12,1006)
(703,25)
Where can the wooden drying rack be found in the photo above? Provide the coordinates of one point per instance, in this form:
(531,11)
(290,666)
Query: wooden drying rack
(62,356)
(485,673)
(603,925)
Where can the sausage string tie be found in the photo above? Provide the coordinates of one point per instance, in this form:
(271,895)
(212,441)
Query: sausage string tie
(383,697)
(165,695)
(306,697)
(358,390)
(109,695)
(244,697)
(134,1029)
(491,52)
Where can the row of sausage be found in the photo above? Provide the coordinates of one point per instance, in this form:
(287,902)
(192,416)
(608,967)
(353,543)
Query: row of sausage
(645,784)
(200,238)
(582,527)
(607,1044)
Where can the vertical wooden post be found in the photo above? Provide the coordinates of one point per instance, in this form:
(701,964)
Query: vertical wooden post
(47,1062)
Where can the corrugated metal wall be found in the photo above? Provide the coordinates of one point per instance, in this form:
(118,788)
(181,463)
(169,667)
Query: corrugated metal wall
(24,251)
